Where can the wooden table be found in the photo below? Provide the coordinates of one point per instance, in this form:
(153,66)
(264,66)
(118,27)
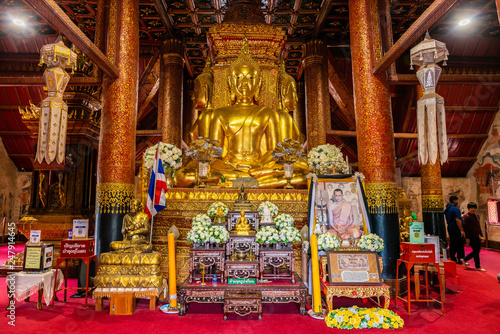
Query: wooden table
(271,293)
(427,298)
(213,259)
(356,291)
(87,260)
(243,302)
(27,284)
(276,259)
(446,269)
(242,269)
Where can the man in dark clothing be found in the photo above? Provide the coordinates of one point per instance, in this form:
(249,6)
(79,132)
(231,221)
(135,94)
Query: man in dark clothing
(455,230)
(473,232)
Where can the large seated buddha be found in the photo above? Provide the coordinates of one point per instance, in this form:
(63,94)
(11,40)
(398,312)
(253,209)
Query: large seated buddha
(247,131)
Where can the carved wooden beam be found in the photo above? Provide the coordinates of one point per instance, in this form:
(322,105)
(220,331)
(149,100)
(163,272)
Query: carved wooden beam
(51,11)
(149,89)
(40,81)
(431,15)
(321,18)
(344,133)
(465,79)
(161,7)
(147,133)
(341,93)
(408,157)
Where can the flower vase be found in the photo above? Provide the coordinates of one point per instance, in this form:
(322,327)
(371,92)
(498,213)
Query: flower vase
(169,176)
(289,245)
(196,245)
(207,245)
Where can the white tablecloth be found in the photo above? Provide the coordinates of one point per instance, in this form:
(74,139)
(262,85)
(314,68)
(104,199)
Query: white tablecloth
(28,284)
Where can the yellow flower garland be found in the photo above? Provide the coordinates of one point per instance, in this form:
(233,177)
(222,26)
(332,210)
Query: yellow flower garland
(360,317)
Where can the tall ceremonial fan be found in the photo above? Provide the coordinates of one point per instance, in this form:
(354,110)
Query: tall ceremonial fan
(431,117)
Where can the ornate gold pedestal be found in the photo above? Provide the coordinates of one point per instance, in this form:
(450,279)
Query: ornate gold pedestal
(185,203)
(121,270)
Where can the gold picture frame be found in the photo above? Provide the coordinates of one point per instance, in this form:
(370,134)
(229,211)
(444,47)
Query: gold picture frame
(353,268)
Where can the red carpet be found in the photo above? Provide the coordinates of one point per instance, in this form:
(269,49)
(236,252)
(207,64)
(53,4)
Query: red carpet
(476,310)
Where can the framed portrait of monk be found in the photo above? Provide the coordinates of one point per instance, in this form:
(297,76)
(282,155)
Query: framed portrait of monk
(337,205)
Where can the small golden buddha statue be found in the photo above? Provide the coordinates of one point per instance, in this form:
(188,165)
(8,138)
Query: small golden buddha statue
(135,230)
(249,132)
(219,216)
(242,226)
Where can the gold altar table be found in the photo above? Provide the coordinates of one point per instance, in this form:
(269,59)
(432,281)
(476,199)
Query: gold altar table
(356,291)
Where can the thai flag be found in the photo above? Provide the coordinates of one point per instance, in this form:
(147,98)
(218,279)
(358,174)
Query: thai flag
(157,188)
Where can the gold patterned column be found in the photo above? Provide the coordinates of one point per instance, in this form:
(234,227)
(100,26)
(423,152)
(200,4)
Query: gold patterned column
(432,194)
(375,129)
(170,91)
(317,95)
(116,164)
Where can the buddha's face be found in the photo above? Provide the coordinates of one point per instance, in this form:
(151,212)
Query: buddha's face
(245,82)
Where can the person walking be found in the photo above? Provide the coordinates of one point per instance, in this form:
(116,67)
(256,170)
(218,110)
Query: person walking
(455,231)
(473,232)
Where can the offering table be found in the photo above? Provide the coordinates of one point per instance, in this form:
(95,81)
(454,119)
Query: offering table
(276,292)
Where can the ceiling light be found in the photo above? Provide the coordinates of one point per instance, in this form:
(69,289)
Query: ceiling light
(464,22)
(18,22)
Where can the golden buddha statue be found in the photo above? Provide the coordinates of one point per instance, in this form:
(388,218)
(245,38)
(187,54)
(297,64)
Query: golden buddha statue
(248,132)
(242,226)
(135,230)
(219,216)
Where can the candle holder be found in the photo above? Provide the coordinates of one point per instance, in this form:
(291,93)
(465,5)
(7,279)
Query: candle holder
(288,167)
(203,168)
(287,153)
(203,274)
(204,150)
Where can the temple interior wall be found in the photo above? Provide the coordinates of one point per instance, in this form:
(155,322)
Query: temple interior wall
(15,189)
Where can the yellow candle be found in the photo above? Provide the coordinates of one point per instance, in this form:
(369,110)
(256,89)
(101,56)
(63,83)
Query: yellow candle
(315,274)
(171,270)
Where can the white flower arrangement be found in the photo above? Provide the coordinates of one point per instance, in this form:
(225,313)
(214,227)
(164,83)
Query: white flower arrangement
(270,205)
(170,155)
(202,220)
(283,220)
(199,234)
(322,159)
(371,242)
(218,234)
(267,235)
(289,234)
(212,209)
(327,241)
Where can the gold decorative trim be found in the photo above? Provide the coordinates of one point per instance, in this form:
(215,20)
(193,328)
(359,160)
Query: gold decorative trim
(114,197)
(382,197)
(432,203)
(217,195)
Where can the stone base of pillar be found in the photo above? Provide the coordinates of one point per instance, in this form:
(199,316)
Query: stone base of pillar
(386,226)
(108,228)
(403,285)
(434,225)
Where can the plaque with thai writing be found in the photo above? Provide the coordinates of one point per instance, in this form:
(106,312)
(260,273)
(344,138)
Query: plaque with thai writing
(356,267)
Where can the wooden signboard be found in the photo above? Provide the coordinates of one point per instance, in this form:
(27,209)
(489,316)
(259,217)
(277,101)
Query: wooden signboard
(353,268)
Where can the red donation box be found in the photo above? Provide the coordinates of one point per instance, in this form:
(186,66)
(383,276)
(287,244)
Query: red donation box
(77,248)
(417,253)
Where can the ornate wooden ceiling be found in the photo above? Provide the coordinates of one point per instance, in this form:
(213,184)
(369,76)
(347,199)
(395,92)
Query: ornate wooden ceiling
(471,85)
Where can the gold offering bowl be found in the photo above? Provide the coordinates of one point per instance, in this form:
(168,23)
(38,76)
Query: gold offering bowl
(241,255)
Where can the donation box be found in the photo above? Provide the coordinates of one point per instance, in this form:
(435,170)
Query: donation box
(77,248)
(417,253)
